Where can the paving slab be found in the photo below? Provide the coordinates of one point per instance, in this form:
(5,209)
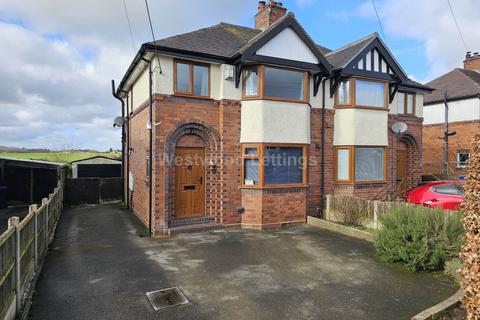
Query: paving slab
(100,268)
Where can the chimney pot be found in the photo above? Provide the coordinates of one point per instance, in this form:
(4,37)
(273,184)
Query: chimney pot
(261,5)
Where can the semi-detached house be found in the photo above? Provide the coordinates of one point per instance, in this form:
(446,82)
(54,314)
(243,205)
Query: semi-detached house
(251,127)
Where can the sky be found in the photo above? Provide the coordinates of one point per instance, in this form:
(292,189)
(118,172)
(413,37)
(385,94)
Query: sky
(58,56)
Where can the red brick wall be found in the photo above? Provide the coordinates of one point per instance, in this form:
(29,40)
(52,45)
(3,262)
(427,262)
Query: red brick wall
(433,148)
(273,208)
(229,126)
(137,158)
(315,153)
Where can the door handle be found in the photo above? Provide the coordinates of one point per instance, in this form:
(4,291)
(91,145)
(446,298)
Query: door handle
(201,180)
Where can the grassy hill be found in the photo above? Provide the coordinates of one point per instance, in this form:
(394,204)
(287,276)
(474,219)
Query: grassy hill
(62,157)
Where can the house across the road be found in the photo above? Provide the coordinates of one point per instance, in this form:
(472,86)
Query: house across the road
(97,167)
(463,99)
(252,126)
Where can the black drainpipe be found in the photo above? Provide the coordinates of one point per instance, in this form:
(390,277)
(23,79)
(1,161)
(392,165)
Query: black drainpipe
(123,133)
(322,186)
(150,145)
(128,149)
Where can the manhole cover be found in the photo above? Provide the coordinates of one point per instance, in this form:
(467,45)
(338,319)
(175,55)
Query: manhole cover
(166,298)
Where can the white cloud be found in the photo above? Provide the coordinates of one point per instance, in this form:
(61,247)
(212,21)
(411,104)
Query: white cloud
(58,58)
(431,23)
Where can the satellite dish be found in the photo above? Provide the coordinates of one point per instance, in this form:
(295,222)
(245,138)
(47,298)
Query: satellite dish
(118,122)
(399,127)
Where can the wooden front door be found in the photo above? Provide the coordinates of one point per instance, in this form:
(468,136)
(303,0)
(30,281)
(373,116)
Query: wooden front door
(402,170)
(189,182)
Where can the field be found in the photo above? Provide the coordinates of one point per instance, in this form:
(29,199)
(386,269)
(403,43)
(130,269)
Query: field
(62,157)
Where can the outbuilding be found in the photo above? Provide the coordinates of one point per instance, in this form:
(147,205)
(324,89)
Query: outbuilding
(97,167)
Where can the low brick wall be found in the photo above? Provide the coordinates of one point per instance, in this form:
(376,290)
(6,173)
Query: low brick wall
(273,208)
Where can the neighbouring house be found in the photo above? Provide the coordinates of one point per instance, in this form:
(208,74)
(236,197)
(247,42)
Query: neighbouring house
(463,99)
(251,127)
(97,167)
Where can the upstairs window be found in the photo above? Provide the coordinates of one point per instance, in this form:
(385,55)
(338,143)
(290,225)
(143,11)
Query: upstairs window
(400,103)
(343,92)
(191,79)
(272,83)
(284,84)
(405,103)
(370,93)
(362,94)
(251,82)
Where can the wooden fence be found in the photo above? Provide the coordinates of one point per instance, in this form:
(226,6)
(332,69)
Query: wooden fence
(22,249)
(350,210)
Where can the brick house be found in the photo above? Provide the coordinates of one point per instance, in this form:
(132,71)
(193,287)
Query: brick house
(251,127)
(463,98)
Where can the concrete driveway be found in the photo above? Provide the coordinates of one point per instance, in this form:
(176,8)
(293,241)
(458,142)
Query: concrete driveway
(99,268)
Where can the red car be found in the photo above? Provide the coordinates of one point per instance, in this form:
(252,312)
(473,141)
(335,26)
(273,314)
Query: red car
(447,195)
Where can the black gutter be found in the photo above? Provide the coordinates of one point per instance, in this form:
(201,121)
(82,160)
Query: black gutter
(150,145)
(169,51)
(322,186)
(123,134)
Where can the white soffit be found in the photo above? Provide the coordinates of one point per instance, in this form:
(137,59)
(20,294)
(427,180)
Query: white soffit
(288,45)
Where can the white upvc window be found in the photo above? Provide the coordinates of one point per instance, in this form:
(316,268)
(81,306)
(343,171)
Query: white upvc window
(462,158)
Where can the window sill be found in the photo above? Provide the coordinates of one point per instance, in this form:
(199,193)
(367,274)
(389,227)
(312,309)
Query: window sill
(275,99)
(361,107)
(182,95)
(280,186)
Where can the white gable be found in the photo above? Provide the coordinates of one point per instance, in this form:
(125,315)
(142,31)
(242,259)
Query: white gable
(379,64)
(288,45)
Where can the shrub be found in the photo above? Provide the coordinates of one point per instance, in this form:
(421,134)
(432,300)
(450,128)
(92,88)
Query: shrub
(420,238)
(349,210)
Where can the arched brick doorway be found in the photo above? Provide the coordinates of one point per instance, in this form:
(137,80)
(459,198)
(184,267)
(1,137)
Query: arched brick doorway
(408,157)
(191,150)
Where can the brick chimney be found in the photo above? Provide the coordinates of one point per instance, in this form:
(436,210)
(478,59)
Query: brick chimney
(268,13)
(472,61)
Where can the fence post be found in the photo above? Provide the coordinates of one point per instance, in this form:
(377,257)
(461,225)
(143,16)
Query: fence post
(33,208)
(327,211)
(375,214)
(47,227)
(15,222)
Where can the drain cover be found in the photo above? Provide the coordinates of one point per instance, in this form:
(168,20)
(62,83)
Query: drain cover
(166,298)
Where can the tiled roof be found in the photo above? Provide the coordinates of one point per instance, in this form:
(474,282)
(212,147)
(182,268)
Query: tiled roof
(340,57)
(222,40)
(459,83)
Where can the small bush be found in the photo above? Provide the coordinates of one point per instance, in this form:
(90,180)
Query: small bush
(420,238)
(349,210)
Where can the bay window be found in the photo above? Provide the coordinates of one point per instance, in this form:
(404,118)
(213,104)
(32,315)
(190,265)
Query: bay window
(273,83)
(343,167)
(359,164)
(370,93)
(369,164)
(270,165)
(343,93)
(191,79)
(362,93)
(250,82)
